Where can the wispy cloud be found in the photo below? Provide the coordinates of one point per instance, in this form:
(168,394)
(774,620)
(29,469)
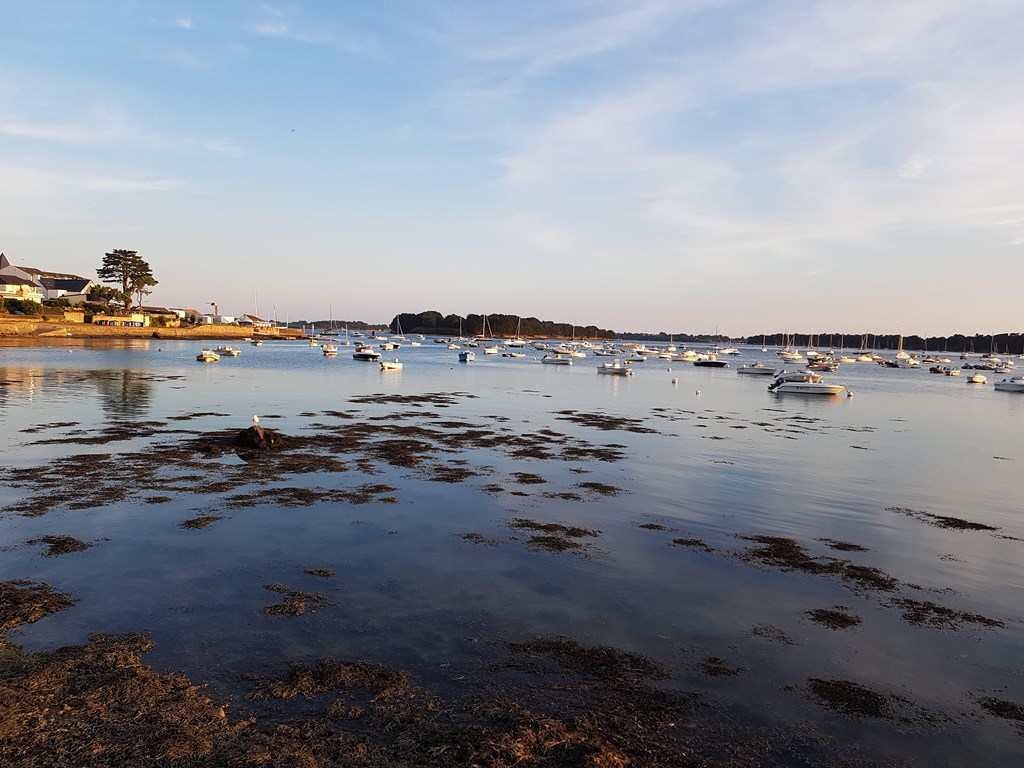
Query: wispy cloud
(289,25)
(183,22)
(29,182)
(844,126)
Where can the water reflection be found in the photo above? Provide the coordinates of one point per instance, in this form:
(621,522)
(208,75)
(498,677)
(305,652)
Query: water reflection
(124,394)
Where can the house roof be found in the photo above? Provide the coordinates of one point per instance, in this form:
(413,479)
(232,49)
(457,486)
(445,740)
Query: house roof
(12,280)
(40,274)
(71,285)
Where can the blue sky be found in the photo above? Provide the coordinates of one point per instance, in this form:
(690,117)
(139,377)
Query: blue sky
(657,165)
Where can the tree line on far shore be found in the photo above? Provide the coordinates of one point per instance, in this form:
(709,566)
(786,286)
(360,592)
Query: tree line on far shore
(497,325)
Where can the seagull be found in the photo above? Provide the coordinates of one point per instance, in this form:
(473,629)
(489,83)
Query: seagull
(255,420)
(697,393)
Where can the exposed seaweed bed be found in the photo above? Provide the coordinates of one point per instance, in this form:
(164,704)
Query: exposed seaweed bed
(548,701)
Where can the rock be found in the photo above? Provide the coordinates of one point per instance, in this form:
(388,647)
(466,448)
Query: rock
(259,438)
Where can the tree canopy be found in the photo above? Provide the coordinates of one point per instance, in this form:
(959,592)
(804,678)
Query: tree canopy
(130,271)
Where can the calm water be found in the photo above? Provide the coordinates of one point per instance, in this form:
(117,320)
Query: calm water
(409,591)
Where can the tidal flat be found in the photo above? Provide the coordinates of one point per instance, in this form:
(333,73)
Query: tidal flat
(502,565)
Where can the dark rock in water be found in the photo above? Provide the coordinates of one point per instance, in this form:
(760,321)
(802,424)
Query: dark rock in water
(260,438)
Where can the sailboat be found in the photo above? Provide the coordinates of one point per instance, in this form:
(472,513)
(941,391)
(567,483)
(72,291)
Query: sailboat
(517,341)
(398,330)
(763,347)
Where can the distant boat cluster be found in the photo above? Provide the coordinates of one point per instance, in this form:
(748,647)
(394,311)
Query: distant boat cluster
(793,371)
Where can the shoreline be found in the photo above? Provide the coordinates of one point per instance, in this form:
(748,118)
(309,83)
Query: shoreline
(21,328)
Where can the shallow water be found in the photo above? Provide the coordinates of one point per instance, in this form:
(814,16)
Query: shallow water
(712,457)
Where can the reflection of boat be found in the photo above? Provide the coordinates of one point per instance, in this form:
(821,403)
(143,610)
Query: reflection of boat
(366,352)
(556,359)
(615,368)
(758,368)
(208,356)
(227,351)
(1016,384)
(804,383)
(390,365)
(467,356)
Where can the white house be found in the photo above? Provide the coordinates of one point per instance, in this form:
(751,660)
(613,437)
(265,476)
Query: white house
(76,290)
(12,287)
(38,284)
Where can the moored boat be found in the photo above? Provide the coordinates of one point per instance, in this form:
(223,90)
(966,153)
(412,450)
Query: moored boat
(227,351)
(556,359)
(615,368)
(467,356)
(208,356)
(390,365)
(804,383)
(366,352)
(1015,384)
(757,369)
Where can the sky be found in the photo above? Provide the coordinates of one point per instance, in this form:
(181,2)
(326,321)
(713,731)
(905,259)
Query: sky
(657,165)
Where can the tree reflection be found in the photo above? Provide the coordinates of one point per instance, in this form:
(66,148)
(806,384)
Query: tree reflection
(124,394)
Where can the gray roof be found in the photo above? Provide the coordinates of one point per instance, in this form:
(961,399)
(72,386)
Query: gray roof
(71,285)
(12,280)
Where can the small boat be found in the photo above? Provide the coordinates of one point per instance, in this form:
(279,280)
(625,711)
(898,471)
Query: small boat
(1016,384)
(513,354)
(804,383)
(757,369)
(491,350)
(556,359)
(256,342)
(467,356)
(711,362)
(977,378)
(208,356)
(615,368)
(390,365)
(366,352)
(329,350)
(227,351)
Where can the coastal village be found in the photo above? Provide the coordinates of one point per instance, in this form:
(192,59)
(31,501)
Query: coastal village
(65,306)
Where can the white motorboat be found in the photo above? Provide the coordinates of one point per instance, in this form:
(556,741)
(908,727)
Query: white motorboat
(208,356)
(227,351)
(329,350)
(256,342)
(556,359)
(977,378)
(804,383)
(491,350)
(366,352)
(615,368)
(1016,384)
(758,369)
(390,365)
(513,354)
(467,356)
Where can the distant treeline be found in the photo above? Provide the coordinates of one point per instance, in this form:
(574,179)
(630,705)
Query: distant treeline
(1000,343)
(338,325)
(504,326)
